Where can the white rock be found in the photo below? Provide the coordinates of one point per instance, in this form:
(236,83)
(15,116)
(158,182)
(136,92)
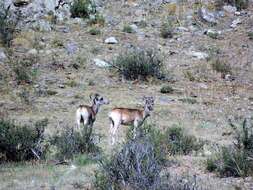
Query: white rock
(134,27)
(229,8)
(32,52)
(237,13)
(111,40)
(101,63)
(235,23)
(198,55)
(2,56)
(182,29)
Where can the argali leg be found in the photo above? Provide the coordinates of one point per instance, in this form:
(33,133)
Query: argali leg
(115,128)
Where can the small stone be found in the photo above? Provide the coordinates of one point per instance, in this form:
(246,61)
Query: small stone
(111,40)
(101,63)
(237,13)
(61,86)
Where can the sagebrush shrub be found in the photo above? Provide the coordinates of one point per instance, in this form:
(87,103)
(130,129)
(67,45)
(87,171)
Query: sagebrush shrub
(21,143)
(140,64)
(82,8)
(135,167)
(167,29)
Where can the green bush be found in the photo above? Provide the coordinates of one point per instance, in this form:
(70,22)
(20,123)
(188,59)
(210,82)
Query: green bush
(241,4)
(221,67)
(250,35)
(94,31)
(180,143)
(167,29)
(167,89)
(69,143)
(140,64)
(23,70)
(97,19)
(236,160)
(82,8)
(21,143)
(128,29)
(8,24)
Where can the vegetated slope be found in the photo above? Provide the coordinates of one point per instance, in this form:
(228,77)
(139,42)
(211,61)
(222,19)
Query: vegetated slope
(203,98)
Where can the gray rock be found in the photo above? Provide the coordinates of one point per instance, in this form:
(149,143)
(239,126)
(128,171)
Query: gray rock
(71,47)
(111,40)
(207,16)
(101,63)
(3,57)
(32,52)
(229,8)
(235,23)
(182,29)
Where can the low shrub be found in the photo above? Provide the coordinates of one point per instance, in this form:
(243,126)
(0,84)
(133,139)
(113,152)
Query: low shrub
(221,67)
(128,29)
(82,8)
(140,64)
(135,167)
(94,31)
(21,143)
(23,70)
(235,160)
(250,35)
(97,19)
(167,29)
(167,89)
(69,143)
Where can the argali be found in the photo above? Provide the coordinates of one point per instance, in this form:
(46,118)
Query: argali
(128,116)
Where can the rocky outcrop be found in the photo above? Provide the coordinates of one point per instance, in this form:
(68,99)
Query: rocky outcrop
(39,14)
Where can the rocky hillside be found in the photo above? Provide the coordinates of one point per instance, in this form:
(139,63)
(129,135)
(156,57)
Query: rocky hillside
(51,60)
